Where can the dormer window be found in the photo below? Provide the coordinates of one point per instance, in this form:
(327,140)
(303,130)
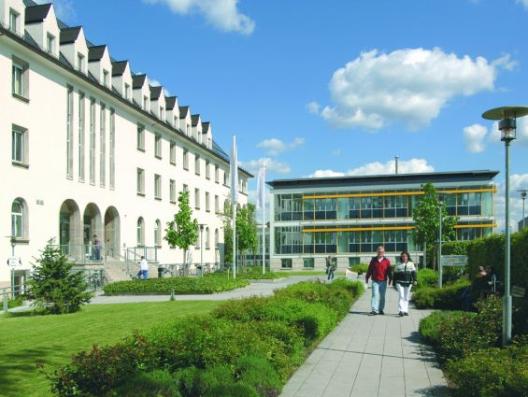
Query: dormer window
(13,20)
(50,43)
(175,121)
(162,113)
(188,130)
(105,78)
(80,63)
(127,91)
(145,102)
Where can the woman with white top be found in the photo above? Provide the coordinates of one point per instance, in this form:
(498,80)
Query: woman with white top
(404,278)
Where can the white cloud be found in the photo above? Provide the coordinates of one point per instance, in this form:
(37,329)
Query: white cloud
(313,107)
(64,9)
(377,168)
(222,14)
(408,85)
(275,146)
(523,2)
(474,136)
(271,165)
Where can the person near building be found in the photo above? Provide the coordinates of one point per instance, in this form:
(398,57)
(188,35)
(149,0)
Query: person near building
(143,268)
(379,272)
(404,278)
(331,266)
(96,248)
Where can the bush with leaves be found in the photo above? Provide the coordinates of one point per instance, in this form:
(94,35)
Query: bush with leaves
(54,286)
(450,297)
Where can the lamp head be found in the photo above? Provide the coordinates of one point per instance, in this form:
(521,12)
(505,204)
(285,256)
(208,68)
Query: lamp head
(506,115)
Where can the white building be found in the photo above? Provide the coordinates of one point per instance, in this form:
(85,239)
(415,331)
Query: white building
(96,150)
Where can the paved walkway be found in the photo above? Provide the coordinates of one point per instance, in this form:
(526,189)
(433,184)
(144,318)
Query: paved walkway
(261,288)
(371,356)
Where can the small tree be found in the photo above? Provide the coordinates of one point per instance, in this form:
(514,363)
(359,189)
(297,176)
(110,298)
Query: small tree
(228,233)
(182,232)
(246,230)
(55,288)
(427,222)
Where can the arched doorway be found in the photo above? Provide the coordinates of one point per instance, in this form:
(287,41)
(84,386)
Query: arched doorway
(92,233)
(112,232)
(70,237)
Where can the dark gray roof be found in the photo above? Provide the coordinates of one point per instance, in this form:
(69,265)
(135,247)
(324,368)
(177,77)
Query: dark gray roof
(205,127)
(218,150)
(119,67)
(69,35)
(138,80)
(37,13)
(155,92)
(194,119)
(96,52)
(389,179)
(183,111)
(170,102)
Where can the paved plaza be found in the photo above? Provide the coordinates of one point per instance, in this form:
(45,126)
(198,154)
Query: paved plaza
(368,356)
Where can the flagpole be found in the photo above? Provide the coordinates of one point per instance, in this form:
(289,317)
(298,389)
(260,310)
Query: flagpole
(234,197)
(263,204)
(234,239)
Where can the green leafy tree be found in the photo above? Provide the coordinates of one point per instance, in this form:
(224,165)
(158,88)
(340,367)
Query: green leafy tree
(427,222)
(246,231)
(55,288)
(228,233)
(182,232)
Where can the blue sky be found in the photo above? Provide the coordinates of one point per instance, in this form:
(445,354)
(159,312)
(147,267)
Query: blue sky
(329,88)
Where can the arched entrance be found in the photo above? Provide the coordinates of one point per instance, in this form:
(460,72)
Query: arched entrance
(70,238)
(112,232)
(92,233)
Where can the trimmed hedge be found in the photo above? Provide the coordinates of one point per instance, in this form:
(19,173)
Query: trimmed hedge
(426,278)
(360,268)
(208,284)
(450,297)
(246,347)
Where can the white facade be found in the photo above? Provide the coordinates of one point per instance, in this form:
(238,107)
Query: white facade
(58,157)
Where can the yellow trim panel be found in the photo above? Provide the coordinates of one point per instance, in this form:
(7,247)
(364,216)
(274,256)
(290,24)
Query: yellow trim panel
(386,228)
(396,193)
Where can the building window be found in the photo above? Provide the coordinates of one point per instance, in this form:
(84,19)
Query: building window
(50,43)
(157,187)
(188,130)
(157,233)
(127,91)
(69,133)
(207,170)
(81,138)
(185,159)
(80,62)
(102,146)
(92,141)
(226,177)
(207,203)
(217,204)
(308,263)
(207,238)
(140,137)
(145,102)
(140,232)
(197,198)
(197,165)
(175,121)
(105,78)
(172,186)
(217,239)
(186,188)
(19,219)
(217,174)
(286,263)
(13,20)
(140,182)
(157,146)
(162,113)
(173,153)
(19,145)
(20,78)
(111,156)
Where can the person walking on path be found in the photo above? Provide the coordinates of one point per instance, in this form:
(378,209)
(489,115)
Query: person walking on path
(331,266)
(404,278)
(143,268)
(379,271)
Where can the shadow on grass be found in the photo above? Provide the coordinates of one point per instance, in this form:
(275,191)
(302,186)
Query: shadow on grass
(24,364)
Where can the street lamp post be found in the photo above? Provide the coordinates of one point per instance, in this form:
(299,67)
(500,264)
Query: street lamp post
(507,117)
(523,192)
(13,244)
(201,249)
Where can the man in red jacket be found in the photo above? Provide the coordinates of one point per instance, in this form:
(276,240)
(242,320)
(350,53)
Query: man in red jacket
(379,271)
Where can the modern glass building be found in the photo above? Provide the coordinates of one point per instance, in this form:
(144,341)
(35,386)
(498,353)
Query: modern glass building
(348,217)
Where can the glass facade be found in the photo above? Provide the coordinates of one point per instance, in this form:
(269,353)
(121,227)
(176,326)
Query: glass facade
(356,223)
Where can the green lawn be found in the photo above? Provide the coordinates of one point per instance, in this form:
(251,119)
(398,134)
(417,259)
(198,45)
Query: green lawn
(26,342)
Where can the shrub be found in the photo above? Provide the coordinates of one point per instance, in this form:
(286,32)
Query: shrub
(426,278)
(450,297)
(255,273)
(492,373)
(158,383)
(430,326)
(55,288)
(360,268)
(208,284)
